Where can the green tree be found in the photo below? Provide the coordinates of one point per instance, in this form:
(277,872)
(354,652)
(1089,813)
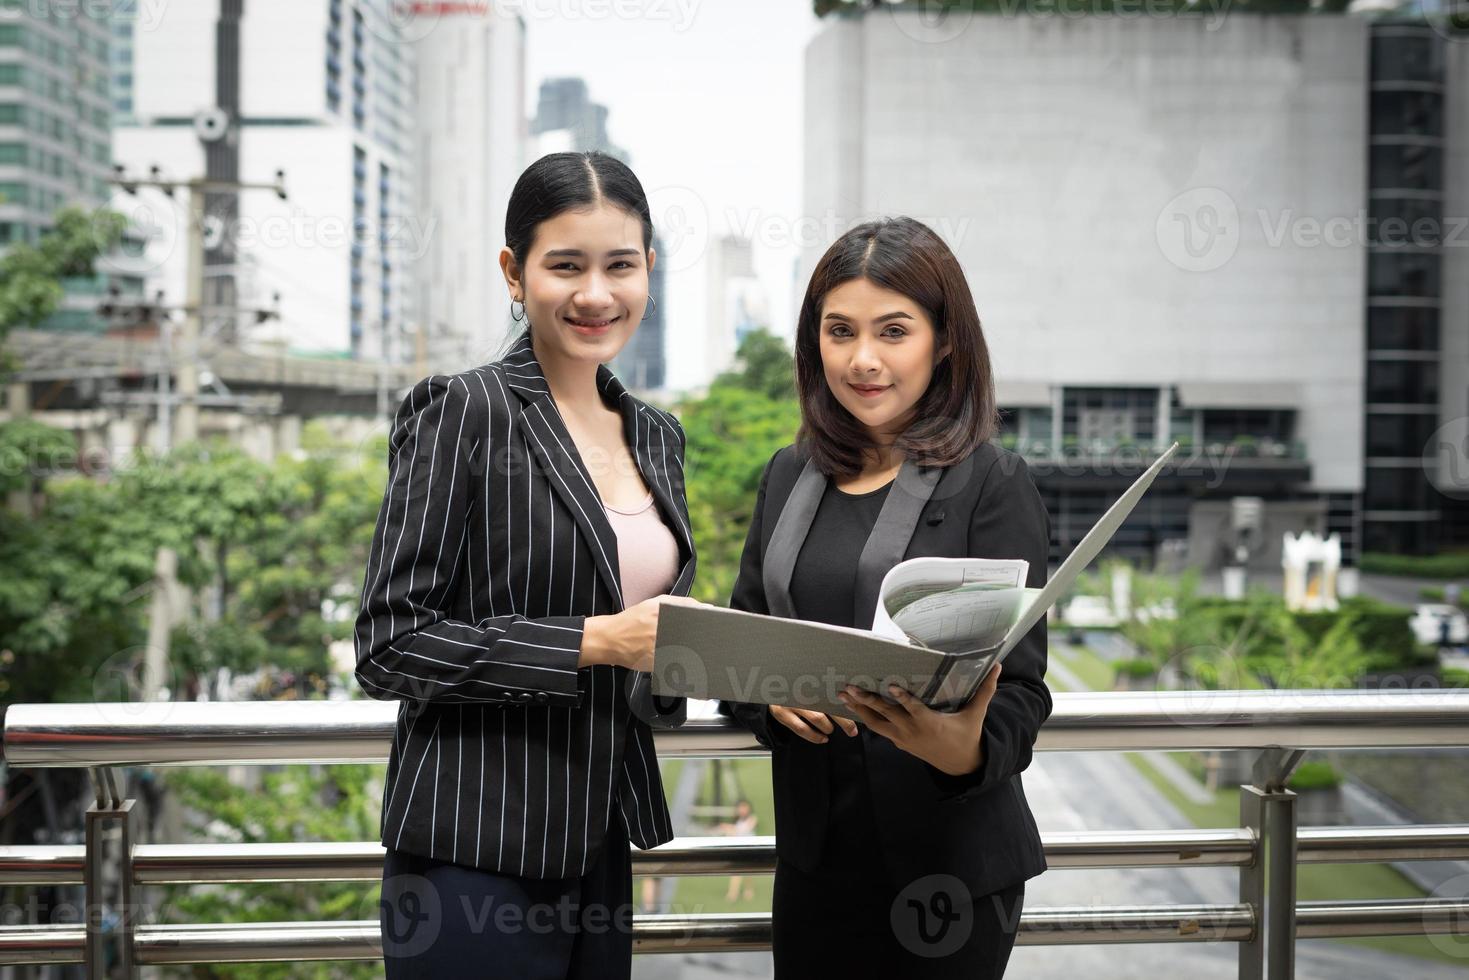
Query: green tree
(748,414)
(31,275)
(290,803)
(763,364)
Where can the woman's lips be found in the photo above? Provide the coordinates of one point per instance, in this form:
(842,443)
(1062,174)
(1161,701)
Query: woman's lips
(589,327)
(869,391)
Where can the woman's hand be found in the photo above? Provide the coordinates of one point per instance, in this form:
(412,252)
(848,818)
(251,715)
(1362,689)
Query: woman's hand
(813,726)
(948,741)
(626,639)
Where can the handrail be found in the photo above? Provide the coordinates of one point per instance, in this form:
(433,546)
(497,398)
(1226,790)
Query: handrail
(190,864)
(258,942)
(1265,849)
(272,732)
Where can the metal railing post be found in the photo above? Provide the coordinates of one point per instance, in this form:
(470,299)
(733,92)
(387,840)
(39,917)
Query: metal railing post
(110,915)
(1273,808)
(1252,884)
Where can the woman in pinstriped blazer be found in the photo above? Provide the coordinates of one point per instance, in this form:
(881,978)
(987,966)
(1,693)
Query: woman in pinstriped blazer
(506,611)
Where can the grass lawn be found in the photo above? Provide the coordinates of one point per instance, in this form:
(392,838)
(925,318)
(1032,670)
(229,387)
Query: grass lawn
(1094,672)
(706,893)
(1315,882)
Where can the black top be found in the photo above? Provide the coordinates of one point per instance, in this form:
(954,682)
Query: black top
(823,589)
(977,827)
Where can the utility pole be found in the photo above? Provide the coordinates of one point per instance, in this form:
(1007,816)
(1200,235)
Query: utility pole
(187,369)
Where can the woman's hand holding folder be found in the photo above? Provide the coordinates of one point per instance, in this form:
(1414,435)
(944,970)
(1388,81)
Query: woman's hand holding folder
(951,742)
(813,726)
(626,639)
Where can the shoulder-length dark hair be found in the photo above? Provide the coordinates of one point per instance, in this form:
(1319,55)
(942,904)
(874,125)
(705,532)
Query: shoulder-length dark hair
(958,412)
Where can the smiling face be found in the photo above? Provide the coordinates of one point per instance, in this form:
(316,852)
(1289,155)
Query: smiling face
(584,283)
(878,351)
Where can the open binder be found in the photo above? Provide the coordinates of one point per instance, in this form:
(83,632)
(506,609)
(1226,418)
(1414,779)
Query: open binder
(941,624)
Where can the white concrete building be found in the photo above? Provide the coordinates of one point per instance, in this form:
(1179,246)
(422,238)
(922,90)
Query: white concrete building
(471,146)
(1161,222)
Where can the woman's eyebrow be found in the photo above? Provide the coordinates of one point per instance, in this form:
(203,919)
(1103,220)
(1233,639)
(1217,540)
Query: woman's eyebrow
(576,253)
(895,315)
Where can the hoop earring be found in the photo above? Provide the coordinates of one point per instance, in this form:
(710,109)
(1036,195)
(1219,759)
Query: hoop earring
(517,319)
(647,313)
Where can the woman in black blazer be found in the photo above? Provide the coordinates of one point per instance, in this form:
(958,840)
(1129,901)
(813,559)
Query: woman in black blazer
(515,629)
(910,830)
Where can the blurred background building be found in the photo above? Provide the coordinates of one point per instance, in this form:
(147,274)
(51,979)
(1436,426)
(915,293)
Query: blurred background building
(735,302)
(568,120)
(1141,215)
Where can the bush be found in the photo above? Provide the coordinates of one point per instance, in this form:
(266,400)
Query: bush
(1455,677)
(1385,635)
(1314,775)
(1135,667)
(1453,564)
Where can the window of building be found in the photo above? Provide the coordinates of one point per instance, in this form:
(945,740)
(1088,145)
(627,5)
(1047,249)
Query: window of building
(1410,113)
(1403,273)
(1399,434)
(1407,166)
(1396,488)
(1398,221)
(1406,58)
(12,75)
(1107,416)
(1402,328)
(14,193)
(1231,424)
(1402,382)
(13,153)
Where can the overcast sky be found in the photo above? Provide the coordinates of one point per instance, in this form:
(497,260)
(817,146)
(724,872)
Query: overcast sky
(705,95)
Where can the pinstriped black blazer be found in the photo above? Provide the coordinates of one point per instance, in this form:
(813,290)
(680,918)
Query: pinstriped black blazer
(491,549)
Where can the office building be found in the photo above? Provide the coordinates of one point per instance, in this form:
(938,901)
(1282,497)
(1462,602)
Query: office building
(1166,247)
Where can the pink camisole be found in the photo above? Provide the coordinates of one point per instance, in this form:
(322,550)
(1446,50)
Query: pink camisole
(647,552)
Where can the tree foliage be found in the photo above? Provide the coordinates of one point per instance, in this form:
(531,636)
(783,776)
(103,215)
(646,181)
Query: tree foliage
(732,433)
(31,275)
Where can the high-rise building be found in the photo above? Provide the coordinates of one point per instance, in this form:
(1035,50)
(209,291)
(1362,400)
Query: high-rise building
(471,147)
(1187,249)
(55,135)
(735,302)
(565,105)
(209,89)
(567,120)
(54,115)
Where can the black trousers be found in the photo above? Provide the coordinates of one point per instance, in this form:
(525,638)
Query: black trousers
(442,920)
(860,925)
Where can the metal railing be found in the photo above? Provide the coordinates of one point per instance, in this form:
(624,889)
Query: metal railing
(1267,846)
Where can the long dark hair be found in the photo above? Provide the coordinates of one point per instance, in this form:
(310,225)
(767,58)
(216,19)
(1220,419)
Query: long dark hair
(560,182)
(958,412)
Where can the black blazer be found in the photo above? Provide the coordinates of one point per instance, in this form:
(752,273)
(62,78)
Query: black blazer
(491,549)
(977,827)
